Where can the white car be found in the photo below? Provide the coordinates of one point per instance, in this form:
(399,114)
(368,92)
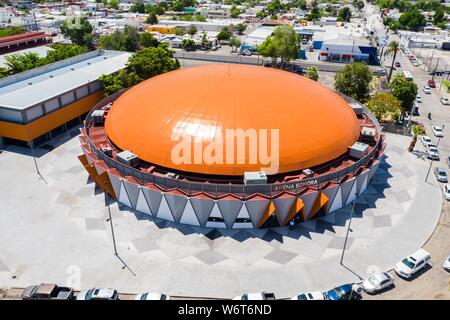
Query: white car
(412,264)
(256,296)
(310,296)
(98,294)
(446,264)
(446,191)
(426,89)
(378,282)
(426,140)
(444,101)
(415,64)
(419,99)
(432,152)
(151,296)
(437,131)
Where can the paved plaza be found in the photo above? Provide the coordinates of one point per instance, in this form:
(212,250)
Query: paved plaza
(54,225)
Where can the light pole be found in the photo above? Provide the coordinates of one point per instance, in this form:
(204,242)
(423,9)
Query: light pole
(111,222)
(348,229)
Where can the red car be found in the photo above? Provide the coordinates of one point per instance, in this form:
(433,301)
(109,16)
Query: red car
(397,64)
(431,83)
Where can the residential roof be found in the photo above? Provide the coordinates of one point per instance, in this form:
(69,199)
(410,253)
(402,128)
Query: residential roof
(41,84)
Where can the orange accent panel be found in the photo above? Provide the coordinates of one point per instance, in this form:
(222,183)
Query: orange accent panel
(296,208)
(321,200)
(38,127)
(315,124)
(100,180)
(269,211)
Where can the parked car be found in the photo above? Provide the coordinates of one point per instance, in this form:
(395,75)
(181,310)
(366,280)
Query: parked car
(432,152)
(431,83)
(378,282)
(437,131)
(310,296)
(426,140)
(379,72)
(151,296)
(415,63)
(426,89)
(246,53)
(397,64)
(446,191)
(418,99)
(446,264)
(447,161)
(412,264)
(98,294)
(344,292)
(444,101)
(256,296)
(47,291)
(440,174)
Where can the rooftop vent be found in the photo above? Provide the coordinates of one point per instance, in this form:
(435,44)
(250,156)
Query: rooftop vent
(89,63)
(172,175)
(72,69)
(30,83)
(308,173)
(51,76)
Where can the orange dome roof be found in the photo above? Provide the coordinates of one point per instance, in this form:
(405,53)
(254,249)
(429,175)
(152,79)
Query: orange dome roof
(315,124)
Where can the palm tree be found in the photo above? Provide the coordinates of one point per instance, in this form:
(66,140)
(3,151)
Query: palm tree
(392,49)
(416,130)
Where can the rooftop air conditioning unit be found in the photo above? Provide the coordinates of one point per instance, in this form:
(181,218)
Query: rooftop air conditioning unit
(368,132)
(106,150)
(255,177)
(308,173)
(127,158)
(172,175)
(358,150)
(357,108)
(98,116)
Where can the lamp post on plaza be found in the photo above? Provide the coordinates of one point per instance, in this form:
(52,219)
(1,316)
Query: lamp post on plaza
(110,221)
(348,229)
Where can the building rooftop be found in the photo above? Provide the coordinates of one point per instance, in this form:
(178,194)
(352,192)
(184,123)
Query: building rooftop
(34,86)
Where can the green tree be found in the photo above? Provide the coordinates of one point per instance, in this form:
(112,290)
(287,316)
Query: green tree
(314,14)
(143,64)
(188,44)
(22,62)
(344,14)
(439,15)
(147,40)
(412,20)
(224,34)
(138,7)
(61,52)
(416,130)
(234,11)
(11,31)
(240,28)
(234,43)
(113,4)
(392,49)
(179,31)
(126,40)
(358,4)
(152,18)
(192,30)
(354,80)
(405,91)
(312,73)
(384,106)
(76,29)
(283,44)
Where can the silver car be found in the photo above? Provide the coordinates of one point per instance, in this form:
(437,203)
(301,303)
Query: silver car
(440,174)
(378,282)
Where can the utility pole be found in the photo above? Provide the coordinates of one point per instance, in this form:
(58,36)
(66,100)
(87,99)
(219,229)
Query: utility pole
(435,68)
(443,76)
(111,222)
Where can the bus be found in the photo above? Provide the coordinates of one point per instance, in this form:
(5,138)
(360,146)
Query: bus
(408,75)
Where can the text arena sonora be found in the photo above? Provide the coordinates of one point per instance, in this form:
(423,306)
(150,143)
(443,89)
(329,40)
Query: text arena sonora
(227,309)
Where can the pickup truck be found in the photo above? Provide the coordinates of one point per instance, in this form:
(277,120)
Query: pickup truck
(46,291)
(256,296)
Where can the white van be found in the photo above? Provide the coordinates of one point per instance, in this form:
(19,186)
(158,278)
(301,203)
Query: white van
(415,262)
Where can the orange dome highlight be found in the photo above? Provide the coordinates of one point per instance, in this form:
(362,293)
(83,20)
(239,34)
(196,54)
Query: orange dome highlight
(315,124)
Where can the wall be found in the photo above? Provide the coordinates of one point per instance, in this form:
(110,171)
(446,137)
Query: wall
(50,121)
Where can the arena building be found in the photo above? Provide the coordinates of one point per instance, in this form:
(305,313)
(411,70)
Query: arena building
(323,148)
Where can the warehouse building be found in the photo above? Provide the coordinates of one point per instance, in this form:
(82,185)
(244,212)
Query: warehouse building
(38,104)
